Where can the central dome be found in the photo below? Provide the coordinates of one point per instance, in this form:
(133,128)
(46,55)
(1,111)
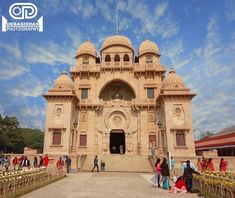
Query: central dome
(117,40)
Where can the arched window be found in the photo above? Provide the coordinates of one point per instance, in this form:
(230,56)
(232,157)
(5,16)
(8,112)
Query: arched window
(85,61)
(107,58)
(149,59)
(116,58)
(126,57)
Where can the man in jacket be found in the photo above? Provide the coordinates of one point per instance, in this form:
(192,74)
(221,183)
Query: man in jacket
(188,175)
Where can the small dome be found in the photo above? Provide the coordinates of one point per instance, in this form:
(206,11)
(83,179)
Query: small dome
(86,48)
(173,81)
(148,46)
(63,81)
(117,40)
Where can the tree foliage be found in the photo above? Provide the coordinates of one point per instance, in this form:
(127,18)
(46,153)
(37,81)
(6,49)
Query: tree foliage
(206,133)
(14,139)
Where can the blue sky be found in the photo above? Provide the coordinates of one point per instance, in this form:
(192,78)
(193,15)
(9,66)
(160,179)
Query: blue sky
(196,37)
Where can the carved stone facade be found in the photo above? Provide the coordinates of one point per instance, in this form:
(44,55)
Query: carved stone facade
(119,99)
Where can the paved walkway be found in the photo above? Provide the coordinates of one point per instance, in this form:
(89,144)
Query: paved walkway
(102,185)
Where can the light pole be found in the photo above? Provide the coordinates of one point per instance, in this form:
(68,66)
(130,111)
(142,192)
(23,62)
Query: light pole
(75,124)
(161,139)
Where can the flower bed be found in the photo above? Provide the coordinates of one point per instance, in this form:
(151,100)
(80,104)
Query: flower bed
(214,184)
(16,183)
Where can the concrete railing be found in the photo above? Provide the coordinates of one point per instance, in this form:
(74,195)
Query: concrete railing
(16,183)
(215,185)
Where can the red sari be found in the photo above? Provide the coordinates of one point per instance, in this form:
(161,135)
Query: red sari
(223,166)
(211,166)
(45,161)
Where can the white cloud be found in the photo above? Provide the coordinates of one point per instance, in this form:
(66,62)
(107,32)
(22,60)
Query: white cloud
(83,8)
(13,49)
(230,7)
(11,69)
(161,8)
(174,51)
(121,5)
(31,87)
(50,53)
(168,29)
(106,10)
(75,36)
(32,111)
(161,23)
(124,23)
(2,111)
(213,45)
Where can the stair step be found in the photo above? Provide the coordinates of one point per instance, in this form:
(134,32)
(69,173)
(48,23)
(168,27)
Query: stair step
(121,163)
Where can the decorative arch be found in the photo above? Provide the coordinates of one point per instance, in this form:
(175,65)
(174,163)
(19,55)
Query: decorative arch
(114,84)
(149,59)
(126,57)
(107,58)
(116,58)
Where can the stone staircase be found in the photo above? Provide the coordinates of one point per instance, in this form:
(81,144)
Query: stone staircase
(120,163)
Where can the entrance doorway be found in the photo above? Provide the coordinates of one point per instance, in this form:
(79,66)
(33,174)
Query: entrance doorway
(117,140)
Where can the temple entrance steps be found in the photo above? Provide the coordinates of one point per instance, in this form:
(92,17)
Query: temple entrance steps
(120,163)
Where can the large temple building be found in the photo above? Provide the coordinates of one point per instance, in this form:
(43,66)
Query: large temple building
(117,100)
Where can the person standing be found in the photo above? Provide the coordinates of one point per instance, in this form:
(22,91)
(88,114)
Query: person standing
(2,162)
(25,163)
(35,162)
(158,171)
(172,163)
(191,165)
(199,165)
(60,164)
(68,162)
(45,160)
(7,163)
(96,164)
(121,148)
(14,162)
(188,175)
(165,174)
(102,166)
(211,165)
(222,166)
(41,161)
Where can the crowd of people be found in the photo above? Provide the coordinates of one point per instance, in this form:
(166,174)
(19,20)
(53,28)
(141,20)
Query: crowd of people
(22,162)
(207,164)
(165,175)
(8,163)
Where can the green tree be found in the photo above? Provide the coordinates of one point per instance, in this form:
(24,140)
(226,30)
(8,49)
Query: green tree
(14,139)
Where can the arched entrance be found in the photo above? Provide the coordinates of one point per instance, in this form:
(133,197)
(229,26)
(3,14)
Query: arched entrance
(117,140)
(117,89)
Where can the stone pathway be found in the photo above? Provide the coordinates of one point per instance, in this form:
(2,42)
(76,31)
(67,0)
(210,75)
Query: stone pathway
(102,185)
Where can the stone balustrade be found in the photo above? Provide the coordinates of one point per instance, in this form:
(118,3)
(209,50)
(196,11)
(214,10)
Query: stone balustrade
(16,183)
(122,65)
